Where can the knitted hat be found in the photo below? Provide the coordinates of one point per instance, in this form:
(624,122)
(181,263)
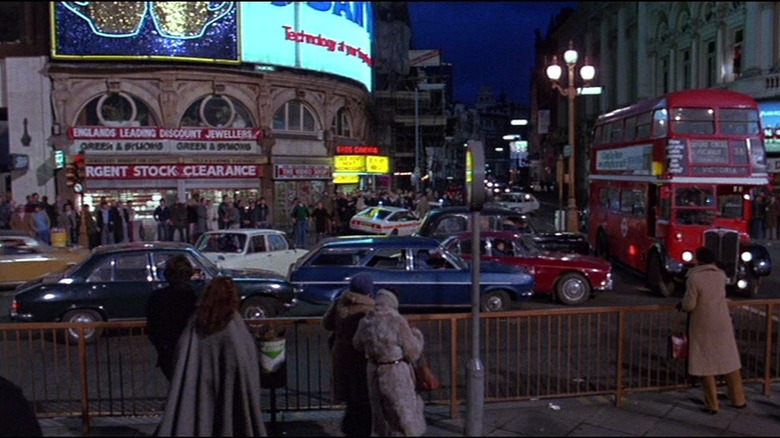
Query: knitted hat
(362,283)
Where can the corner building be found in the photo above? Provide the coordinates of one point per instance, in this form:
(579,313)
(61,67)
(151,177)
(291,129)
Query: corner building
(250,101)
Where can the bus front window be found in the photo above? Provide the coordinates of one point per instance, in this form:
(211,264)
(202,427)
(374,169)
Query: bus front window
(695,216)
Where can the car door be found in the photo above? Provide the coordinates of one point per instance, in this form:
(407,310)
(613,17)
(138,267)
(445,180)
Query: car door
(121,284)
(435,281)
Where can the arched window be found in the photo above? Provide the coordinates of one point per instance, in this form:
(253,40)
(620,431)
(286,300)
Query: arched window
(295,116)
(341,125)
(116,109)
(217,111)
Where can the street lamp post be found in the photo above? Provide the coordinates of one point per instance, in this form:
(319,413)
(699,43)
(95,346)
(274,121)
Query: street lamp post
(554,72)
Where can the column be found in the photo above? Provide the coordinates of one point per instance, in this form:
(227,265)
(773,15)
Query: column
(643,87)
(622,58)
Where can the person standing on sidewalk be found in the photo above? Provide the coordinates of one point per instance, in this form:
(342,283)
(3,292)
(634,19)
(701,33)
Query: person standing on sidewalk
(391,346)
(169,309)
(300,216)
(350,383)
(712,347)
(215,389)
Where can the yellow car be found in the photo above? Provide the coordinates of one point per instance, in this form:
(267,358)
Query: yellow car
(24,258)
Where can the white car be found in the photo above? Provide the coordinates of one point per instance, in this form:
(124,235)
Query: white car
(388,220)
(521,202)
(249,248)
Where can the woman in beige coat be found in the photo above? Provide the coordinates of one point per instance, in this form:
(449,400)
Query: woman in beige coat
(712,347)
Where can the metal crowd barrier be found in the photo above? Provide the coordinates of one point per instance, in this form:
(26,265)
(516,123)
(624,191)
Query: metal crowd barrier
(527,354)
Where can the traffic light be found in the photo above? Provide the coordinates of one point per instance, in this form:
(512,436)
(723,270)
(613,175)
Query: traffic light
(81,167)
(71,175)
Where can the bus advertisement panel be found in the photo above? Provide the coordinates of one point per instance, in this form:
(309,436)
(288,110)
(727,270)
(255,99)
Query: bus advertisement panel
(674,173)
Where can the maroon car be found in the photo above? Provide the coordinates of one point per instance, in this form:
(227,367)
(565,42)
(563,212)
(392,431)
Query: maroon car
(570,278)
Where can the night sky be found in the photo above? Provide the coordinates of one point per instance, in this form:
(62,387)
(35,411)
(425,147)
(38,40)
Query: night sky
(488,43)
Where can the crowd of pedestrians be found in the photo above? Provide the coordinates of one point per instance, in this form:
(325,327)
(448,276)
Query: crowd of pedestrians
(765,215)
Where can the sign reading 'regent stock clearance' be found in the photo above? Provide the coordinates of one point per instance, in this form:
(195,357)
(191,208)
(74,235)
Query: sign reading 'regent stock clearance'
(331,37)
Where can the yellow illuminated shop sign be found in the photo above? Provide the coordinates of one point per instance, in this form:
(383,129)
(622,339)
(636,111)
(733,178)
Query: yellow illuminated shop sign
(377,164)
(346,179)
(361,163)
(349,163)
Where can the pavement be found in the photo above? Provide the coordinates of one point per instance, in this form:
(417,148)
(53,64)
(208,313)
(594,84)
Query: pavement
(669,413)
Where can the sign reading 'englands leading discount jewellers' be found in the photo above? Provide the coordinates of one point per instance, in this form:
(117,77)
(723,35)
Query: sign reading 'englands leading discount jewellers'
(127,141)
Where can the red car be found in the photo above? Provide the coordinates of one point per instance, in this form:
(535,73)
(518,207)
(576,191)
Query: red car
(570,278)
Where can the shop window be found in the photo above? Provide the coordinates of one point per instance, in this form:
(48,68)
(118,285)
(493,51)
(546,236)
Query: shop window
(341,125)
(295,116)
(217,111)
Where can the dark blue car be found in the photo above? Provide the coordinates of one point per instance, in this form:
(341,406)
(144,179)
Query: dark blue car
(114,283)
(417,268)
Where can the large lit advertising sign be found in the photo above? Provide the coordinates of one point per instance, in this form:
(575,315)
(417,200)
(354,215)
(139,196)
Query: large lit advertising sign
(200,31)
(333,37)
(770,120)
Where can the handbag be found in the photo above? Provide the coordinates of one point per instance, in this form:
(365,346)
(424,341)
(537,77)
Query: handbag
(678,346)
(425,379)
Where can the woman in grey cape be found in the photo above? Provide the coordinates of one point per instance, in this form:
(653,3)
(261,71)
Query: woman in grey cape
(215,389)
(391,347)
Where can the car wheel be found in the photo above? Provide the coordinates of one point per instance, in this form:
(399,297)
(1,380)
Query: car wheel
(602,246)
(659,280)
(258,308)
(495,301)
(572,288)
(82,316)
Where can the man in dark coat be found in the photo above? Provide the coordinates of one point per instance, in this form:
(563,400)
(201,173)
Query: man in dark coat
(349,364)
(17,416)
(169,309)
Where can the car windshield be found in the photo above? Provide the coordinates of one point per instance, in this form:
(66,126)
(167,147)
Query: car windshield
(222,242)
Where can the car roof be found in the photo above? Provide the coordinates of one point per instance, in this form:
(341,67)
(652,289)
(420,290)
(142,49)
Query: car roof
(491,234)
(248,231)
(486,211)
(379,241)
(117,247)
(386,207)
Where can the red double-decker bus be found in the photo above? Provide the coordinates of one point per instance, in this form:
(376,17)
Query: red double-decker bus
(676,172)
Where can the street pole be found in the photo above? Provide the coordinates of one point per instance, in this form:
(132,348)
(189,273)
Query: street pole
(475,391)
(417,170)
(572,220)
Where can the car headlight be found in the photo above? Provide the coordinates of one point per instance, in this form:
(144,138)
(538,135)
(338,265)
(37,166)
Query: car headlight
(746,256)
(687,256)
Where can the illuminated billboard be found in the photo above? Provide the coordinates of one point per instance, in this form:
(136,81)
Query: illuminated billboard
(331,37)
(188,31)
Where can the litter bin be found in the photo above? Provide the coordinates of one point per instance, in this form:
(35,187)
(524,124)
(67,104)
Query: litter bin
(59,237)
(273,366)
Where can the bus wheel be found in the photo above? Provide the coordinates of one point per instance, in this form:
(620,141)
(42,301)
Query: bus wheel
(602,246)
(572,289)
(657,278)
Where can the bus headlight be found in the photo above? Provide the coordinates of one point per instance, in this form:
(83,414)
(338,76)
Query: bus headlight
(742,284)
(687,256)
(746,256)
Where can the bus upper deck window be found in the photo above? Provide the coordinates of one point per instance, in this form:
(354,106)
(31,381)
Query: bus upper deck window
(695,121)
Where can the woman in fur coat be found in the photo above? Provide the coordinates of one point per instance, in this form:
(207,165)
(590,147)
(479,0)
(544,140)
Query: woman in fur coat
(391,347)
